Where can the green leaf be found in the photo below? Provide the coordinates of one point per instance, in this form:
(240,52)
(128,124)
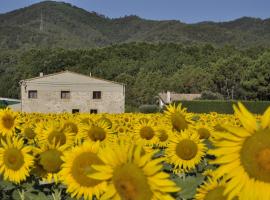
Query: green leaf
(167,167)
(15,195)
(6,185)
(188,185)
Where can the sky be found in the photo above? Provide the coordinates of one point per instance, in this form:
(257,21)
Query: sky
(189,11)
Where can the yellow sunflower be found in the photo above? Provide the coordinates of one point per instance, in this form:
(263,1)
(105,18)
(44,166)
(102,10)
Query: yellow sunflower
(178,117)
(49,161)
(212,189)
(163,133)
(53,133)
(8,122)
(106,120)
(98,131)
(209,173)
(132,175)
(72,126)
(77,167)
(185,150)
(27,130)
(204,130)
(122,130)
(243,154)
(85,120)
(2,137)
(15,159)
(145,132)
(143,119)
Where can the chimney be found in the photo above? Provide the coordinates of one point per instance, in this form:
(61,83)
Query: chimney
(41,74)
(168,97)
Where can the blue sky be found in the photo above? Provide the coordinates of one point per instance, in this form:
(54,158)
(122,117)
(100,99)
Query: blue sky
(190,11)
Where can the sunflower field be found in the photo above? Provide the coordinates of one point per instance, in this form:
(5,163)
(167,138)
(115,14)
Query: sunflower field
(133,156)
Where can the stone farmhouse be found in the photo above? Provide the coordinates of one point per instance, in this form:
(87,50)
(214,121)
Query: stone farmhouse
(169,97)
(71,92)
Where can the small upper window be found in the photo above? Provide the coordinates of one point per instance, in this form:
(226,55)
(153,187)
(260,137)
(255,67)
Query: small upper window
(74,111)
(96,94)
(32,94)
(65,94)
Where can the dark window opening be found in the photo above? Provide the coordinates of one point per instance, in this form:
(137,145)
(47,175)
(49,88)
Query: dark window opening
(75,111)
(93,111)
(96,94)
(32,94)
(65,94)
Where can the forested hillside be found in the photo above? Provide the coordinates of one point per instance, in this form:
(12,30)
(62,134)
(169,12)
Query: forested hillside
(56,24)
(150,68)
(230,59)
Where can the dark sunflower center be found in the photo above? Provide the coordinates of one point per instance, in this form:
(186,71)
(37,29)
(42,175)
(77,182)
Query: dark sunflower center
(81,168)
(147,132)
(13,159)
(29,133)
(179,122)
(163,136)
(57,137)
(51,161)
(97,133)
(131,183)
(263,159)
(8,121)
(121,130)
(186,149)
(204,133)
(216,194)
(255,155)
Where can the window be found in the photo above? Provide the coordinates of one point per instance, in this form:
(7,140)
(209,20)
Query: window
(65,94)
(75,111)
(96,94)
(93,111)
(32,94)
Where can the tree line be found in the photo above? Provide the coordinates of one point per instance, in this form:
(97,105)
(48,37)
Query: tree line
(147,69)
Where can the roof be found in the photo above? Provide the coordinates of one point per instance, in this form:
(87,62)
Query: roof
(178,97)
(70,72)
(8,101)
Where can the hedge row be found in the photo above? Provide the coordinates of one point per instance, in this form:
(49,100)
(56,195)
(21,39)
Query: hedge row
(148,109)
(2,105)
(225,107)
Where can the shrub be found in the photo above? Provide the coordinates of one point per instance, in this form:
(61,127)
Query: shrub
(131,109)
(149,108)
(211,95)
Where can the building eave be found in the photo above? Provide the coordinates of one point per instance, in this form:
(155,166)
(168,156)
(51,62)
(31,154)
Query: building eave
(67,71)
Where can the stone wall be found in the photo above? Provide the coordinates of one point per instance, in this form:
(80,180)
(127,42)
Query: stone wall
(49,100)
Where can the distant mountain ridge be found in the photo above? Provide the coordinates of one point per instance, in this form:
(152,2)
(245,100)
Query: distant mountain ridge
(57,24)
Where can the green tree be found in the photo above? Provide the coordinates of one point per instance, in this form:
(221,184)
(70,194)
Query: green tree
(257,79)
